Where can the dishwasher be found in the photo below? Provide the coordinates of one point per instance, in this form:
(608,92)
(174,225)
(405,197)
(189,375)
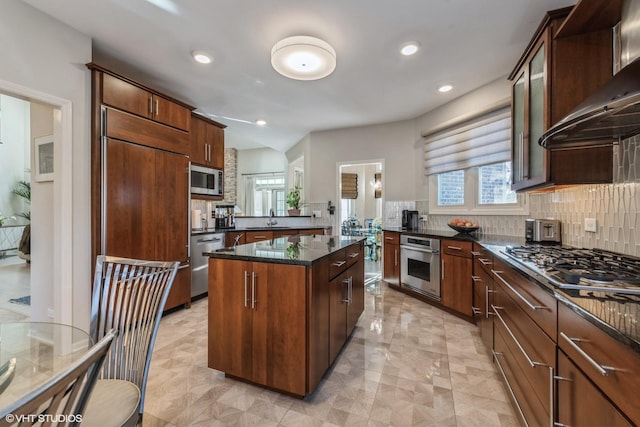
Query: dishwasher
(202,242)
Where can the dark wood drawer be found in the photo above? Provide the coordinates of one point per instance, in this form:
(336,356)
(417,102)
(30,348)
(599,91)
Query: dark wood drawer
(258,236)
(337,263)
(540,305)
(482,259)
(456,248)
(353,254)
(595,352)
(533,351)
(391,237)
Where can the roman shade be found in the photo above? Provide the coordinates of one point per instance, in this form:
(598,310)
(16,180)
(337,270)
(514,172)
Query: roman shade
(349,185)
(480,141)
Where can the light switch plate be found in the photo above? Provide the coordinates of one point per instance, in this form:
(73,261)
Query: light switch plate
(590,225)
(317,214)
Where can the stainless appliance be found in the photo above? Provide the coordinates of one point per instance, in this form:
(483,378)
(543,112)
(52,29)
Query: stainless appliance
(410,219)
(206,181)
(202,242)
(580,269)
(612,114)
(542,230)
(225,217)
(420,264)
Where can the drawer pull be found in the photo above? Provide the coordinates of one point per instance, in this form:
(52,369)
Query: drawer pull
(388,238)
(475,310)
(484,261)
(506,381)
(354,255)
(475,253)
(259,237)
(476,279)
(518,294)
(513,337)
(454,248)
(339,263)
(600,368)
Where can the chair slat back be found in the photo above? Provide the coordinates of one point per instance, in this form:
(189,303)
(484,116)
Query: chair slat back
(61,400)
(129,296)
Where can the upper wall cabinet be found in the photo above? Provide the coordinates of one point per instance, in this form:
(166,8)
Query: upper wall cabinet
(207,142)
(137,100)
(553,76)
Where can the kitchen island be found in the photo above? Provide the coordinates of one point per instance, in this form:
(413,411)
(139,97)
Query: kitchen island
(280,310)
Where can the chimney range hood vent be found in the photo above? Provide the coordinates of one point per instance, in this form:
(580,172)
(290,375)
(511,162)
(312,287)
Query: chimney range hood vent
(607,117)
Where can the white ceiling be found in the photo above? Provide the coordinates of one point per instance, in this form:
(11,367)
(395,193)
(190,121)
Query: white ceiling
(466,42)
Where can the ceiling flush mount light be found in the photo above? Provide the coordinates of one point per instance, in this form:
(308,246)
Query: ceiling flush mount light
(409,48)
(303,58)
(445,88)
(201,57)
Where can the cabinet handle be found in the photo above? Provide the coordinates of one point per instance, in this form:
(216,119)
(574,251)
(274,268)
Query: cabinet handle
(521,159)
(157,108)
(388,238)
(205,152)
(475,310)
(151,105)
(455,248)
(354,255)
(345,282)
(476,279)
(253,290)
(523,299)
(350,294)
(474,253)
(246,275)
(442,270)
(259,237)
(395,257)
(339,263)
(484,261)
(487,291)
(513,337)
(600,368)
(506,381)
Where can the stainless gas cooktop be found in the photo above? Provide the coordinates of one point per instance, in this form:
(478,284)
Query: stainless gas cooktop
(585,269)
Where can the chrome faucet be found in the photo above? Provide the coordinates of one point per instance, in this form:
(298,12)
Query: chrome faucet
(271,221)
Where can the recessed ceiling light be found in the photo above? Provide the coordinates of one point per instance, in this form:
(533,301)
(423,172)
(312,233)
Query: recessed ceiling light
(409,48)
(261,122)
(202,57)
(445,88)
(303,58)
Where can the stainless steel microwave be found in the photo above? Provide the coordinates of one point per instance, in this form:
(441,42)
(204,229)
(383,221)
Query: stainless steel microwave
(206,181)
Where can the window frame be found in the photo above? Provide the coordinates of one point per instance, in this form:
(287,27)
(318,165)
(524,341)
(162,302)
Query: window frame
(471,204)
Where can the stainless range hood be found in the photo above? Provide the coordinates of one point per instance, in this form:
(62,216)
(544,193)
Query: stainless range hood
(612,114)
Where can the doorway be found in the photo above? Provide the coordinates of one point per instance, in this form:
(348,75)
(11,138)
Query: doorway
(360,211)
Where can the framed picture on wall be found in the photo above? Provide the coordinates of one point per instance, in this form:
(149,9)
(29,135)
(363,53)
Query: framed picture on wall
(44,158)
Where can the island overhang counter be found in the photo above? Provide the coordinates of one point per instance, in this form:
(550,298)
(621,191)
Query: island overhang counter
(280,310)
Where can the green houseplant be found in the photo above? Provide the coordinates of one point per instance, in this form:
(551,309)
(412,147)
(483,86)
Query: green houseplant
(293,201)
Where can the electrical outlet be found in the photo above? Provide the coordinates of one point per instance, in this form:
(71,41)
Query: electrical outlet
(317,214)
(590,225)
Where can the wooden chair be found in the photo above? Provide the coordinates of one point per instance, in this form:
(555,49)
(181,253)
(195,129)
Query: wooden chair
(61,400)
(129,296)
(7,371)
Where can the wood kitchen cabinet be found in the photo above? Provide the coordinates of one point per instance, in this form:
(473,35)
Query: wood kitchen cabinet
(580,403)
(207,142)
(124,95)
(546,87)
(148,191)
(257,322)
(457,268)
(258,236)
(391,257)
(483,293)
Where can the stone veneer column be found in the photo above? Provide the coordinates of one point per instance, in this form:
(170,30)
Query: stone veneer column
(230,175)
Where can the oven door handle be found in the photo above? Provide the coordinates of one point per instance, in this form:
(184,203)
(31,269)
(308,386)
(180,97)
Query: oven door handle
(426,251)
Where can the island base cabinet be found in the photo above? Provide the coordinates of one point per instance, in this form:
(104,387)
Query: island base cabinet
(257,323)
(346,304)
(580,403)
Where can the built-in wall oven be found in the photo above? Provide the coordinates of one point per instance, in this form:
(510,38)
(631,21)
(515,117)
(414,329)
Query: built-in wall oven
(420,264)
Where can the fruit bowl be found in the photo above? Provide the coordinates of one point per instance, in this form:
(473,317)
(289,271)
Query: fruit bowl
(463,229)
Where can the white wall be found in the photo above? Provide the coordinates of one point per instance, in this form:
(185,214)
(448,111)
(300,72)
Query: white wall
(40,53)
(389,143)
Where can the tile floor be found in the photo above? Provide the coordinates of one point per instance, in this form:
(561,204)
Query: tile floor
(406,364)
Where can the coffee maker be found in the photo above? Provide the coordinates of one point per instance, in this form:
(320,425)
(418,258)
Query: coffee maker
(225,217)
(410,220)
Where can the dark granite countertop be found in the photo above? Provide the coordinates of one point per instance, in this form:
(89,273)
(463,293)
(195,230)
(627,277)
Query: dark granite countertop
(616,314)
(265,228)
(297,250)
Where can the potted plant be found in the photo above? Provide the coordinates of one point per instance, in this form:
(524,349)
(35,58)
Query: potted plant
(293,201)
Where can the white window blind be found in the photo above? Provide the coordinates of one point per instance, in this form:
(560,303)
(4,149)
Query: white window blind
(481,141)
